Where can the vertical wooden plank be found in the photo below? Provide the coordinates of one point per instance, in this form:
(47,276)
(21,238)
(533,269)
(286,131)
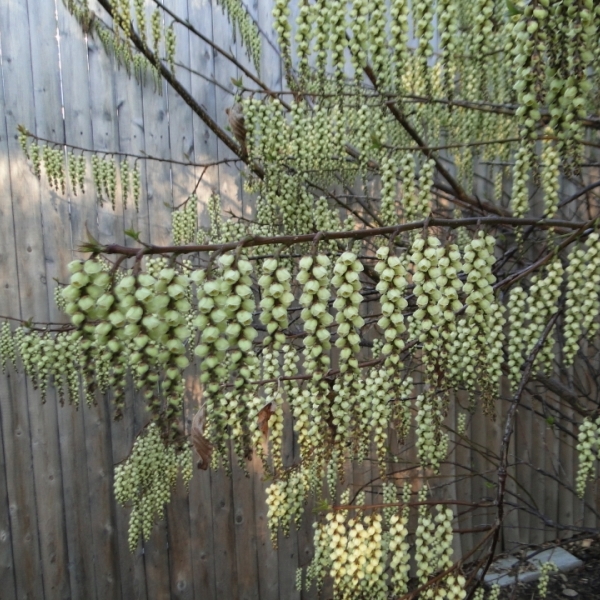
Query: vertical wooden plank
(211,21)
(480,491)
(245,533)
(57,219)
(55,229)
(538,481)
(24,79)
(205,149)
(268,557)
(288,546)
(510,533)
(205,143)
(201,531)
(202,534)
(103,113)
(226,575)
(551,488)
(19,550)
(181,143)
(566,499)
(7,566)
(181,130)
(94,126)
(523,432)
(462,456)
(159,201)
(131,140)
(448,470)
(305,546)
(26,568)
(158,174)
(77,131)
(229,179)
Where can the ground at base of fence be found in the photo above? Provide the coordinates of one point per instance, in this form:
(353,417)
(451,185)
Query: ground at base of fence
(580,583)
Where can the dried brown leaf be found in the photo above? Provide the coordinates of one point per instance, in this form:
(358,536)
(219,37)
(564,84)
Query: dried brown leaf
(263,418)
(201,444)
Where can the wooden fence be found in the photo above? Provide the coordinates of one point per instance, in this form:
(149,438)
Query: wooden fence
(62,536)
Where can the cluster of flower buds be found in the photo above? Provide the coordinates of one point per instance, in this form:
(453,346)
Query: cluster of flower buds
(77,172)
(277,297)
(185,222)
(432,442)
(7,348)
(545,571)
(54,165)
(314,277)
(582,303)
(391,285)
(285,501)
(550,175)
(170,46)
(388,192)
(140,17)
(588,446)
(481,333)
(346,280)
(156,28)
(146,478)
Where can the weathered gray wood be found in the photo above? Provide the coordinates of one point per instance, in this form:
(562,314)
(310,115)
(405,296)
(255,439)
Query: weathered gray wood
(268,558)
(130,120)
(522,434)
(158,174)
(181,143)
(20,54)
(204,150)
(181,130)
(59,501)
(511,533)
(551,463)
(7,568)
(103,115)
(205,144)
(160,200)
(77,131)
(201,532)
(10,529)
(131,140)
(288,546)
(462,456)
(245,533)
(56,228)
(484,434)
(107,225)
(230,187)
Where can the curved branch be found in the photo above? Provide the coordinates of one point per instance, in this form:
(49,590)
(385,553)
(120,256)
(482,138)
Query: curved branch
(359,234)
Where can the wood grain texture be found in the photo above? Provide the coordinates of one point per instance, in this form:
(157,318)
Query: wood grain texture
(61,533)
(82,210)
(181,144)
(35,422)
(130,125)
(12,489)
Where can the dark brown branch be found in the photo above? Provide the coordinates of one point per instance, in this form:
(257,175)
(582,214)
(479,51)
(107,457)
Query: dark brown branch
(359,234)
(214,163)
(565,393)
(230,57)
(508,431)
(185,95)
(580,193)
(456,187)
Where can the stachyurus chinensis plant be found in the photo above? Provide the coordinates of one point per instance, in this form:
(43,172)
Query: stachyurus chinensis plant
(375,291)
